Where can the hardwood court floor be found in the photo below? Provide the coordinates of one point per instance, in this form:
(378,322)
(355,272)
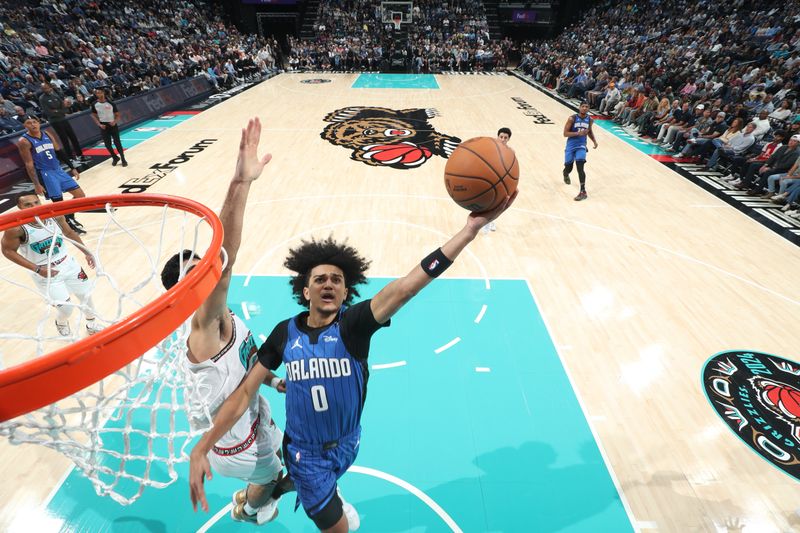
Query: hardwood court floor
(639,285)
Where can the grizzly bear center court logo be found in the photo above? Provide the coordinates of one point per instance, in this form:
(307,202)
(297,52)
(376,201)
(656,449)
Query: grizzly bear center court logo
(758,397)
(315,81)
(383,137)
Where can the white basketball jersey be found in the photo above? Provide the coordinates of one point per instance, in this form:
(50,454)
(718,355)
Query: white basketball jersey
(220,376)
(39,240)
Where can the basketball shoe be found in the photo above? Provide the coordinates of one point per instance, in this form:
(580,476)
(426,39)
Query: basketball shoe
(353,521)
(581,196)
(266,513)
(63,329)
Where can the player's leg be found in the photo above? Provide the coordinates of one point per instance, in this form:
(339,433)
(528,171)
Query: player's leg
(343,457)
(57,294)
(79,284)
(569,158)
(580,161)
(63,182)
(261,467)
(314,477)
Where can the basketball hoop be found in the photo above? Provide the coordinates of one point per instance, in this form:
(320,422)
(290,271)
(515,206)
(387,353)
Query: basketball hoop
(397,20)
(84,399)
(54,376)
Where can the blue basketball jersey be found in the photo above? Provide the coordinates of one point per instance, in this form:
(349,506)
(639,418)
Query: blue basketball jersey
(326,382)
(43,151)
(324,386)
(578,124)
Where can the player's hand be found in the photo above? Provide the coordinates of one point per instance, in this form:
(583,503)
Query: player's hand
(248,165)
(595,144)
(90,260)
(478,220)
(45,273)
(199,469)
(75,173)
(39,190)
(102,126)
(281,387)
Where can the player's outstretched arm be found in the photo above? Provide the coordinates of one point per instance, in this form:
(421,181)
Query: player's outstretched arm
(248,168)
(229,412)
(396,294)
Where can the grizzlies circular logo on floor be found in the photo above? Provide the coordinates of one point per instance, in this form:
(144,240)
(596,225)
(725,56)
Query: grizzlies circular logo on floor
(758,396)
(315,81)
(383,137)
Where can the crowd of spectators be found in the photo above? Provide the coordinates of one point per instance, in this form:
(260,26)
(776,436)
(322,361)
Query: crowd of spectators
(123,47)
(717,82)
(443,36)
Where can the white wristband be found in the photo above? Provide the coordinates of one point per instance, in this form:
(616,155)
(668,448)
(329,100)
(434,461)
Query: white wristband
(274,382)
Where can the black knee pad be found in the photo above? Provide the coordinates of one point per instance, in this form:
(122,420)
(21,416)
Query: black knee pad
(329,515)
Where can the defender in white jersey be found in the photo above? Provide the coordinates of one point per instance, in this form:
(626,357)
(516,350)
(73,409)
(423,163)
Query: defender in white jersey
(41,248)
(248,450)
(221,350)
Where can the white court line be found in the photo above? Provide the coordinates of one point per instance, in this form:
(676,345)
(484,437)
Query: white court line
(244,311)
(427,500)
(482,369)
(413,490)
(480,315)
(585,412)
(448,345)
(213,520)
(389,365)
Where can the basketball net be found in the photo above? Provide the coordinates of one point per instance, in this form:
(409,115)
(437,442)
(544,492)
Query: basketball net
(128,430)
(397,19)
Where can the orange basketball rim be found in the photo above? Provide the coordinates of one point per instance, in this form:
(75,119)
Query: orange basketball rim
(58,374)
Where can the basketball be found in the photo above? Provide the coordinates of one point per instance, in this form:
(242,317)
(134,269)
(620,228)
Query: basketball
(481,173)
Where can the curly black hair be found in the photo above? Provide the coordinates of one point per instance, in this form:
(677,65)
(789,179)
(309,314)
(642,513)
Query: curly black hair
(313,253)
(171,272)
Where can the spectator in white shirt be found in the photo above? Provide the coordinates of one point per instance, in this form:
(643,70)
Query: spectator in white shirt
(762,125)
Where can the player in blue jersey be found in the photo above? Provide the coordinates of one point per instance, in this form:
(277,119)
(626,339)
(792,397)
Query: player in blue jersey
(577,128)
(325,351)
(42,156)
